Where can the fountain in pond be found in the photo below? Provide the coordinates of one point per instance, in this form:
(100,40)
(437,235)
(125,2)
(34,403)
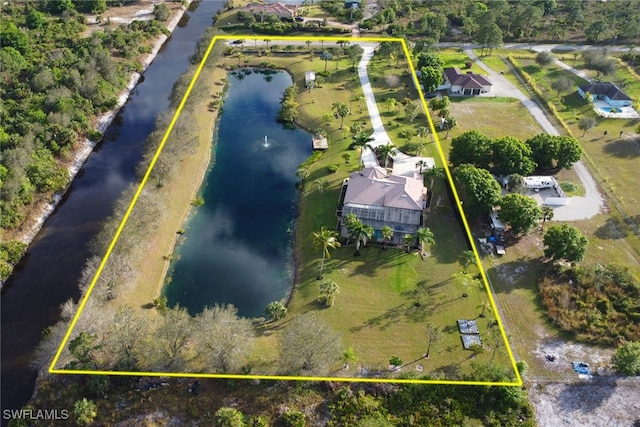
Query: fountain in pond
(266,142)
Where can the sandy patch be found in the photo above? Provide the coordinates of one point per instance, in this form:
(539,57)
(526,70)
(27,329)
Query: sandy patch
(600,402)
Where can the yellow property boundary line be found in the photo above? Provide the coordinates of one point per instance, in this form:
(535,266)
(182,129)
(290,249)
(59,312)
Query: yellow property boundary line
(53,370)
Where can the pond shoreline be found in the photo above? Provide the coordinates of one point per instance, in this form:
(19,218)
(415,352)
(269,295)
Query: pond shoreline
(42,209)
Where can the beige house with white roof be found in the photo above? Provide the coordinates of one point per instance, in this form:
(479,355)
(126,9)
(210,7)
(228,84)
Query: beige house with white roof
(378,199)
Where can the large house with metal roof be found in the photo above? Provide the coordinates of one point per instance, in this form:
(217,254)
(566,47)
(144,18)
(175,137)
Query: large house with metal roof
(379,200)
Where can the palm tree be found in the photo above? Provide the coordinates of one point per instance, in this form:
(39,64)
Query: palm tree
(387,234)
(326,56)
(361,235)
(337,53)
(467,281)
(342,110)
(350,220)
(384,151)
(390,103)
(408,240)
(349,356)
(355,129)
(425,236)
(326,239)
(361,140)
(360,98)
(276,310)
(547,215)
(422,131)
(359,232)
(467,258)
(328,291)
(308,43)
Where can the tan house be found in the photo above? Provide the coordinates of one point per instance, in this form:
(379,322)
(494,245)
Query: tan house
(378,199)
(281,10)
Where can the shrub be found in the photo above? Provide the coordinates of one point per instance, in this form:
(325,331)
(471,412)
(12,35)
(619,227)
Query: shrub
(94,135)
(332,168)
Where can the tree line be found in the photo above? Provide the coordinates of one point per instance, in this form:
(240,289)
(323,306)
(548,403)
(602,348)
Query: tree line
(54,83)
(489,22)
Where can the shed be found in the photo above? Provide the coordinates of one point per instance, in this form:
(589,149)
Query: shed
(309,76)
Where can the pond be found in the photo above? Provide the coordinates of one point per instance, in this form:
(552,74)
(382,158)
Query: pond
(238,246)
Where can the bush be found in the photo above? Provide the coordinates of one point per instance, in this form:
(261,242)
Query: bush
(332,168)
(468,64)
(94,135)
(294,419)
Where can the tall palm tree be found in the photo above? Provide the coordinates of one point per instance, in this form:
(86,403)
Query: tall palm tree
(342,110)
(326,239)
(422,131)
(408,240)
(384,151)
(361,235)
(361,140)
(387,234)
(425,236)
(326,56)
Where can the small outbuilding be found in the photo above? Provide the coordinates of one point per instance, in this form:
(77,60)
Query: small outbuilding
(309,78)
(496,224)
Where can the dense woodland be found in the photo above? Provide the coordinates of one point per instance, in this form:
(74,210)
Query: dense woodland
(56,78)
(497,20)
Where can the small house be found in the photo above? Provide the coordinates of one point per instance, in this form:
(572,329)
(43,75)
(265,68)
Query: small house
(278,9)
(607,92)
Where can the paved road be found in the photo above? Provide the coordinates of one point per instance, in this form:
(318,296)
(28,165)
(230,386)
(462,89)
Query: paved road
(582,207)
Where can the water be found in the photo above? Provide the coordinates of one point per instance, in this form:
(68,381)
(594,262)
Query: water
(48,275)
(238,247)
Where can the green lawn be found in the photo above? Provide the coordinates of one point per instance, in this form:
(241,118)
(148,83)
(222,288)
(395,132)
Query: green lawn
(375,310)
